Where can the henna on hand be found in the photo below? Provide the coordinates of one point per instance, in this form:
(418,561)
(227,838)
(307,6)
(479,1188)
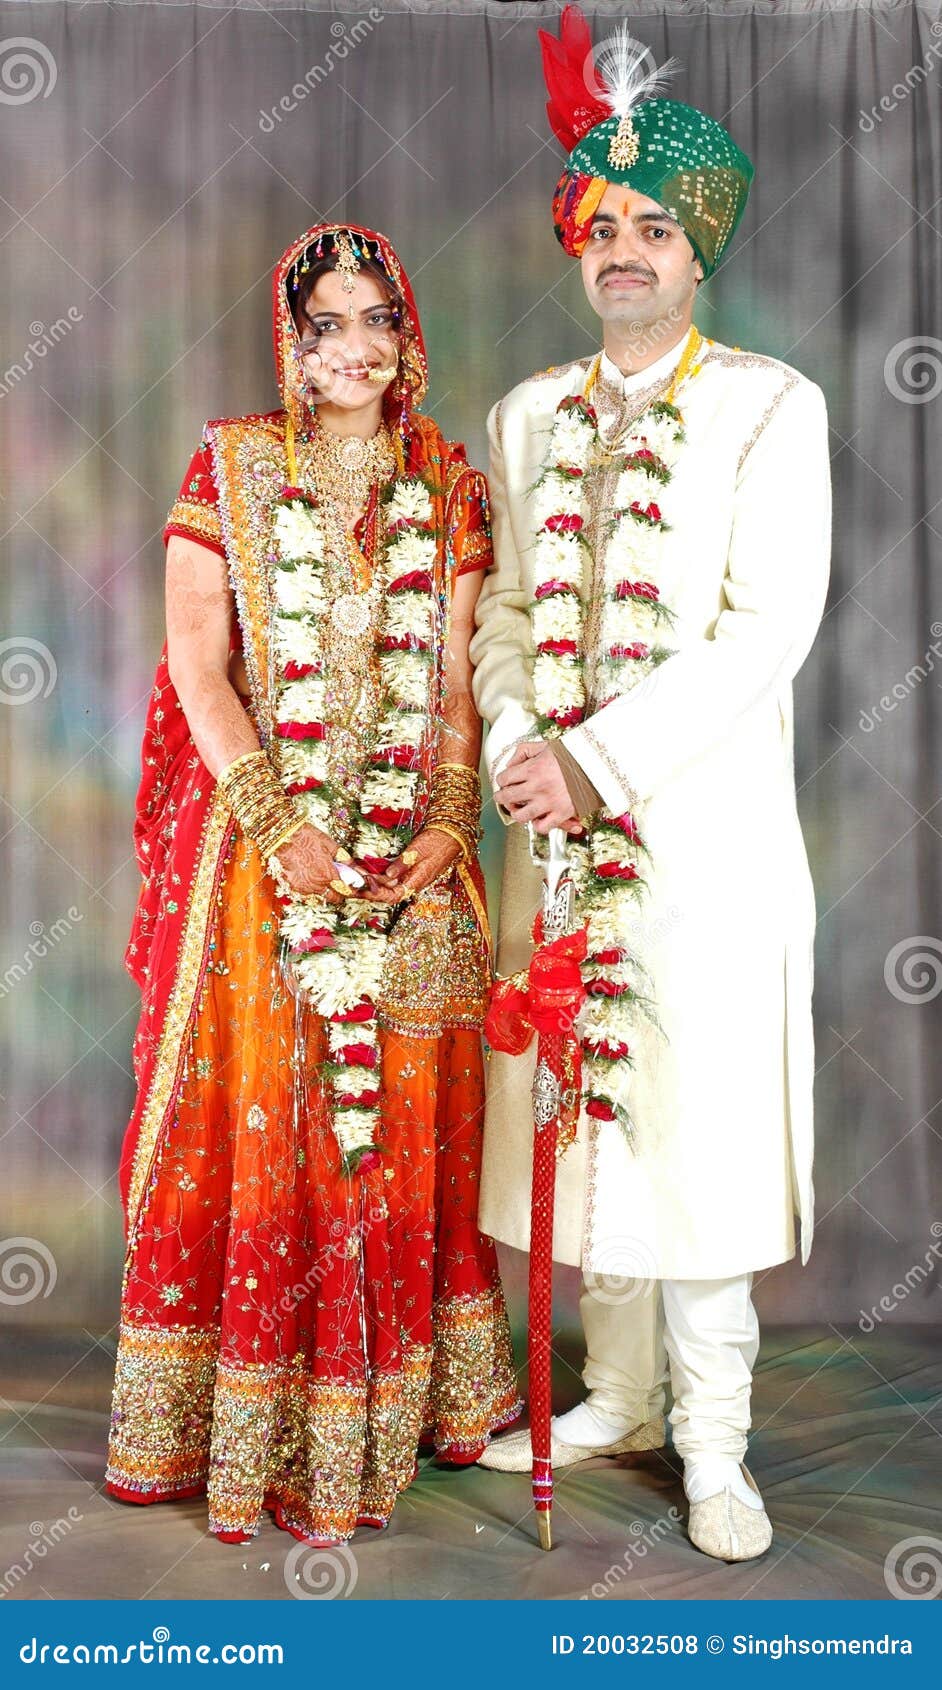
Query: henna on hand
(196,596)
(309,862)
(428,856)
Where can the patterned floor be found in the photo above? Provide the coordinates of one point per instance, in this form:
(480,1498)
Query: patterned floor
(846,1449)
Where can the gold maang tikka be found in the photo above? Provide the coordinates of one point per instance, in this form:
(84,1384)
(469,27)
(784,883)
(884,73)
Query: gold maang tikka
(348,266)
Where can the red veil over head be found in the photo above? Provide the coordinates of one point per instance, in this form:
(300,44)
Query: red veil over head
(410,386)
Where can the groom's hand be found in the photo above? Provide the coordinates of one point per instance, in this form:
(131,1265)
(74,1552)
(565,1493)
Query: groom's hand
(531,788)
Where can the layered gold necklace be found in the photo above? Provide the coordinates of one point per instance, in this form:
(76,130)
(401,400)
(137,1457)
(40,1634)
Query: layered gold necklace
(345,468)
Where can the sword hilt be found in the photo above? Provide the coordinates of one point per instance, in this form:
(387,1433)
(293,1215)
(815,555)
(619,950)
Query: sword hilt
(558,898)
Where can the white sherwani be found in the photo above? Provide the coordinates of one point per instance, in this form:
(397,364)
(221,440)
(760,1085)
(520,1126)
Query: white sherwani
(702,752)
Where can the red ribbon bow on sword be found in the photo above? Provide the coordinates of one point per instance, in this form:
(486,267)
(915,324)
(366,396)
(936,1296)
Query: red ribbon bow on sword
(546,1000)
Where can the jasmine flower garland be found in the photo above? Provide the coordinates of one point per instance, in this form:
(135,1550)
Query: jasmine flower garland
(607,861)
(334,955)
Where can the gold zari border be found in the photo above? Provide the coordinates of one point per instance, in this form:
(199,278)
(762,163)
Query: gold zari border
(202,520)
(325,1454)
(179,1008)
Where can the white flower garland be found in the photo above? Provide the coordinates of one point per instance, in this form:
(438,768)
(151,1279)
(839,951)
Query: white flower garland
(334,955)
(607,862)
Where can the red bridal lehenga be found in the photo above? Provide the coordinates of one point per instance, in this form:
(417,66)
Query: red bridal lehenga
(288,1330)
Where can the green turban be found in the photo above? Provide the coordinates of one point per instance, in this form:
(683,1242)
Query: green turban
(615,133)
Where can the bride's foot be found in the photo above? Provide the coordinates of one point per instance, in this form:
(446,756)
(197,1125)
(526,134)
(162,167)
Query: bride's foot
(450,1455)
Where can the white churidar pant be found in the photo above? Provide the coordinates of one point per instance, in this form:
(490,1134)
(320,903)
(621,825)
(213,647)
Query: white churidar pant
(700,1335)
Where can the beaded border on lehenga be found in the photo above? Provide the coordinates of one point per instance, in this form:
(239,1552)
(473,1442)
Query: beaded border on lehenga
(325,1455)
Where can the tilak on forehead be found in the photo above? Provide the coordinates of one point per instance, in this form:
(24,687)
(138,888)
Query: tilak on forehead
(604,108)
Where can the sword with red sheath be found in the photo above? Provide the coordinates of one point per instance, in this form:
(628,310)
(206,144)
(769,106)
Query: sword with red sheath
(546,999)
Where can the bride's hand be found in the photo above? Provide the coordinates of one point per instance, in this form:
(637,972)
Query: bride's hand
(427,856)
(309,862)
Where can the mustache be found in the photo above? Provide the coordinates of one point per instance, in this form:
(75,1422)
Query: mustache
(623,270)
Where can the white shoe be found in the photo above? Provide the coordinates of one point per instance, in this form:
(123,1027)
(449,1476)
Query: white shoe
(729,1529)
(514,1453)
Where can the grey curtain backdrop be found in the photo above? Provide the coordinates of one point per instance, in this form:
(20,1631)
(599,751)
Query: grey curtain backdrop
(158,159)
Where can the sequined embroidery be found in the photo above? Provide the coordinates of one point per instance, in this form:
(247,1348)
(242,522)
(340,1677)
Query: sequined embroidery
(324,1454)
(200,522)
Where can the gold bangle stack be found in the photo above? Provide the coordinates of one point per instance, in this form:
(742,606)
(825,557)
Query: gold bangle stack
(261,806)
(455,806)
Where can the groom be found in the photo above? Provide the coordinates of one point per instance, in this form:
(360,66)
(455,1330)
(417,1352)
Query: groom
(662,539)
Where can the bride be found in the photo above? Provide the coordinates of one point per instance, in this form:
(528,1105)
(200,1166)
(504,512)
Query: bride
(306,1292)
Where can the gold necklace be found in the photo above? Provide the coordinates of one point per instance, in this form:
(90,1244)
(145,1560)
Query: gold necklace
(346,467)
(343,469)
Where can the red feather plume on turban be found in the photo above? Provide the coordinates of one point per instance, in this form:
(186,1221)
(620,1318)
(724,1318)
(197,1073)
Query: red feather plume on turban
(576,91)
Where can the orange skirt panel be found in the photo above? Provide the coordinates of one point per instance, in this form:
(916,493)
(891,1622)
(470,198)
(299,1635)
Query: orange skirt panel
(288,1332)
